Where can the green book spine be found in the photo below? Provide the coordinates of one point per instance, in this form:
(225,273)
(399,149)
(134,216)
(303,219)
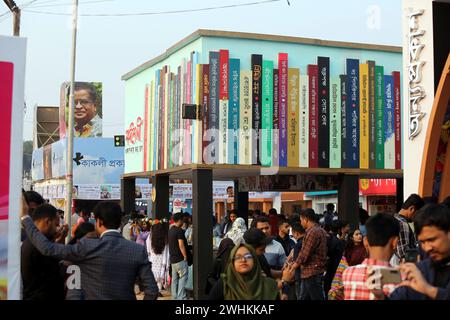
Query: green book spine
(267,113)
(379,111)
(335,123)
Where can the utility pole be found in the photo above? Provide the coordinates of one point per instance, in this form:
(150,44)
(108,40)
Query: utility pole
(69,157)
(16,16)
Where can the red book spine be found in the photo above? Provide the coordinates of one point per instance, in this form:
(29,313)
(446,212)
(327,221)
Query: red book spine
(397,117)
(313,73)
(223,75)
(146,129)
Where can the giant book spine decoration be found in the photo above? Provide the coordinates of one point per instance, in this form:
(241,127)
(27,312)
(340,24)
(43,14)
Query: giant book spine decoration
(379,113)
(155,126)
(397,113)
(276,133)
(233,115)
(364,116)
(267,113)
(162,116)
(182,100)
(187,131)
(198,101)
(205,110)
(194,95)
(223,105)
(344,137)
(372,116)
(151,124)
(335,123)
(177,120)
(304,122)
(293,117)
(245,117)
(146,130)
(352,113)
(282,109)
(256,60)
(170,120)
(313,116)
(389,123)
(323,64)
(213,120)
(167,119)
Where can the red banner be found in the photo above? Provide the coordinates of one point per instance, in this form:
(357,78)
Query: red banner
(6,91)
(372,187)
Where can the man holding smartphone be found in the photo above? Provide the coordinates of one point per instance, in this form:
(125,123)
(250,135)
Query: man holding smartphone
(365,281)
(430,278)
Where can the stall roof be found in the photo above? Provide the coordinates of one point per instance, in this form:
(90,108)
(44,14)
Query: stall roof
(231,171)
(255,36)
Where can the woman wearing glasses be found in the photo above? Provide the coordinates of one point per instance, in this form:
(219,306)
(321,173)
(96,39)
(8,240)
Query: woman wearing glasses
(243,278)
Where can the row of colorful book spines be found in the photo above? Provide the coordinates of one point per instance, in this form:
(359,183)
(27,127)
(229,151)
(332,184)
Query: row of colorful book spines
(188,98)
(302,163)
(187,161)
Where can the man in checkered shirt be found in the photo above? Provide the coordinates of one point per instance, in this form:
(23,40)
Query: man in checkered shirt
(407,239)
(363,282)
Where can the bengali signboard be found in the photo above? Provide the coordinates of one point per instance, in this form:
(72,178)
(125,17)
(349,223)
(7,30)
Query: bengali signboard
(288,183)
(12,79)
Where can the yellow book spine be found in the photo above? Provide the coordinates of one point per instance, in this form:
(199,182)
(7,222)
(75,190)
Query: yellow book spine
(364,116)
(294,117)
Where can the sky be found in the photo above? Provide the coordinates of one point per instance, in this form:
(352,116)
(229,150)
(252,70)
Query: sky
(108,47)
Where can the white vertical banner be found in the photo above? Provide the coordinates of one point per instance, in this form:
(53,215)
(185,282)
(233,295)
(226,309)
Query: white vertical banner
(12,81)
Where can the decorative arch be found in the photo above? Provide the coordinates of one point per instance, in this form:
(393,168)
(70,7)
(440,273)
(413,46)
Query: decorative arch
(439,109)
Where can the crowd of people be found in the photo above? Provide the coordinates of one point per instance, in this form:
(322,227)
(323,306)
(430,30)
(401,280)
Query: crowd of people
(307,256)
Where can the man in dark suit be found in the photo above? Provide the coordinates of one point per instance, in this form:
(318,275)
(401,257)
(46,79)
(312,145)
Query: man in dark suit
(41,276)
(108,265)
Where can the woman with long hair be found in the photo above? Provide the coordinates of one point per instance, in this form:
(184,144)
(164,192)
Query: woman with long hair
(144,231)
(355,253)
(158,253)
(243,279)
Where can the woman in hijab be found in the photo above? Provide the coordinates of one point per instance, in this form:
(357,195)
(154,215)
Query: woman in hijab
(237,231)
(243,278)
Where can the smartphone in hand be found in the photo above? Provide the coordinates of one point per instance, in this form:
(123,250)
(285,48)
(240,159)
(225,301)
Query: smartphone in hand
(390,276)
(412,255)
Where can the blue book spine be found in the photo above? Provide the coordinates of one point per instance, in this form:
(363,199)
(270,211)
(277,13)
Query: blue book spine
(233,114)
(389,123)
(352,113)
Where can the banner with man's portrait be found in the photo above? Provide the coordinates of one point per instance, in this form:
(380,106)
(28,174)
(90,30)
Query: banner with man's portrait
(88,109)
